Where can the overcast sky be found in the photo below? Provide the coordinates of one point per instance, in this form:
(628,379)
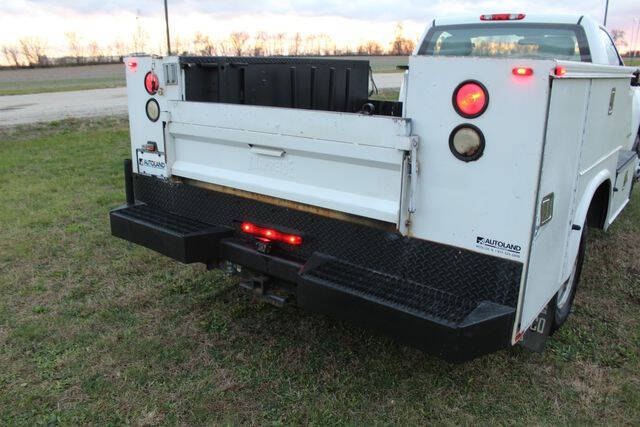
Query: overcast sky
(347,21)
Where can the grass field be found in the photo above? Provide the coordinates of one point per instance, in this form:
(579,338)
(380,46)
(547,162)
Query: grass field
(97,330)
(62,79)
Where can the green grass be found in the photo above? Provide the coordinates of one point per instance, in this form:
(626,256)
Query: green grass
(386,95)
(632,62)
(94,330)
(59,85)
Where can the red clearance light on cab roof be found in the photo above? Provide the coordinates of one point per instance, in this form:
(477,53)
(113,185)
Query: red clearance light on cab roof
(560,71)
(503,17)
(271,234)
(132,65)
(523,71)
(470,99)
(151,83)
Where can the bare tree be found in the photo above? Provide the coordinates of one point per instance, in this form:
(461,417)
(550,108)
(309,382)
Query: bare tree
(139,39)
(12,55)
(119,48)
(260,47)
(34,50)
(95,51)
(203,45)
(238,42)
(401,45)
(75,46)
(296,45)
(618,37)
(179,46)
(279,43)
(370,48)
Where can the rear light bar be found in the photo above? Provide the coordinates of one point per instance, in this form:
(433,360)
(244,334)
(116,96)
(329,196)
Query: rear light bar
(270,234)
(503,17)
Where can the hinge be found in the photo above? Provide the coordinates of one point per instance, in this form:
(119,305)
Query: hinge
(414,171)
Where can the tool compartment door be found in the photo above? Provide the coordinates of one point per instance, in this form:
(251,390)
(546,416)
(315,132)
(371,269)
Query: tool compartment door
(587,126)
(339,161)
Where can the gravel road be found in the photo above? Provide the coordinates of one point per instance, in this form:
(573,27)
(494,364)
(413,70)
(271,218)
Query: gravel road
(43,107)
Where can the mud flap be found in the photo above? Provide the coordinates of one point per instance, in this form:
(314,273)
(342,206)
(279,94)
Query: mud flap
(535,339)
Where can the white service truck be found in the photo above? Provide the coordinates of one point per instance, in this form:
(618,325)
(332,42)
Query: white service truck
(453,220)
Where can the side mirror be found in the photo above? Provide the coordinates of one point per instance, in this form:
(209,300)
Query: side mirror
(635,81)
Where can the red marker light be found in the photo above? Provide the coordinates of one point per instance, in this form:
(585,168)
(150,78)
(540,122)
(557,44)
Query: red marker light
(560,71)
(132,65)
(470,99)
(523,71)
(151,83)
(269,234)
(503,17)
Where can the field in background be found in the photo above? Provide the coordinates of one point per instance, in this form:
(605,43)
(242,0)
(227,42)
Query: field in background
(20,82)
(62,79)
(95,330)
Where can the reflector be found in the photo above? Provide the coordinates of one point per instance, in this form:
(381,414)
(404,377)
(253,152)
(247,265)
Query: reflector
(132,64)
(470,99)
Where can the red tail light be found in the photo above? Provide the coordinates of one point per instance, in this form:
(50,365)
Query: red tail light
(271,234)
(151,83)
(523,71)
(470,99)
(503,17)
(560,71)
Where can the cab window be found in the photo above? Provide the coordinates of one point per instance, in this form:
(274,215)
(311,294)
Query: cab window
(536,41)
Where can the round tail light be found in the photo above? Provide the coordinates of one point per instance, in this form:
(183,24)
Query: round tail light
(467,142)
(470,99)
(151,83)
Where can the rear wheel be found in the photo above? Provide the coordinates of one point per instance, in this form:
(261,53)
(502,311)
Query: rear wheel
(563,300)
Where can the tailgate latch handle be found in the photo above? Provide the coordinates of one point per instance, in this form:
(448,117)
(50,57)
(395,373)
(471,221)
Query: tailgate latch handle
(415,169)
(266,151)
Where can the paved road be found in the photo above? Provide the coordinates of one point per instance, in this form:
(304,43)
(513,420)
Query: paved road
(22,109)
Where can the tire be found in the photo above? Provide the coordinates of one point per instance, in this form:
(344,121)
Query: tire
(562,302)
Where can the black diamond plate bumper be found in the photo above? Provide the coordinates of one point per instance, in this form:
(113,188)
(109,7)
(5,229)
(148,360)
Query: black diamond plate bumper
(447,301)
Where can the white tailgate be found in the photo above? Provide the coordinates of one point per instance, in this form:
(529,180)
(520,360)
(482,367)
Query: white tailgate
(345,162)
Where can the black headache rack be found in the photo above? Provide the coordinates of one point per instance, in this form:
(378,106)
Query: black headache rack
(449,302)
(309,83)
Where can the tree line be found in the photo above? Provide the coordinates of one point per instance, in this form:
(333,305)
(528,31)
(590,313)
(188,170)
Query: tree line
(35,51)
